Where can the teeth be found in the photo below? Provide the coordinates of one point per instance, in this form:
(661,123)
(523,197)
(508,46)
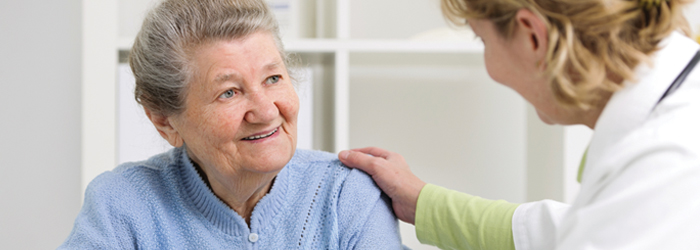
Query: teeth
(260,136)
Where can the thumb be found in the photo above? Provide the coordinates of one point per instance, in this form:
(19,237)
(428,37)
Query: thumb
(359,160)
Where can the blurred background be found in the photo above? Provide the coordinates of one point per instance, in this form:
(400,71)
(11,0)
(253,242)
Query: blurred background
(387,73)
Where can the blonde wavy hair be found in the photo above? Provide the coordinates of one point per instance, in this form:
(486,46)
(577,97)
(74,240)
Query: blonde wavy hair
(590,41)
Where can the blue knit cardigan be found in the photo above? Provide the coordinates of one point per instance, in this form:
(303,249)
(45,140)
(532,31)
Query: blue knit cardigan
(163,203)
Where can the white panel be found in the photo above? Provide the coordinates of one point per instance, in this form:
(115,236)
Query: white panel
(343,19)
(296,18)
(691,13)
(99,91)
(342,101)
(545,159)
(131,14)
(138,138)
(287,14)
(393,19)
(576,140)
(455,127)
(305,119)
(321,19)
(380,46)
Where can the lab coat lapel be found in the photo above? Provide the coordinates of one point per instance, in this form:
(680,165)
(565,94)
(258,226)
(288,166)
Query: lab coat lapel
(629,107)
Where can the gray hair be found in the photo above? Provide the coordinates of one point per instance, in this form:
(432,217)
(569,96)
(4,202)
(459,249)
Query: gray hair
(172,31)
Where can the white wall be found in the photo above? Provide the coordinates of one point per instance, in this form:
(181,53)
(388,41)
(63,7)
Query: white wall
(131,14)
(40,44)
(455,126)
(393,19)
(40,75)
(692,13)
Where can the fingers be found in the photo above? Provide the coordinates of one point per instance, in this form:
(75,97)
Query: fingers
(360,160)
(391,173)
(378,152)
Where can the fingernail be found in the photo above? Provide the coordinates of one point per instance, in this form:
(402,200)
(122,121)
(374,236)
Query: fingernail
(343,154)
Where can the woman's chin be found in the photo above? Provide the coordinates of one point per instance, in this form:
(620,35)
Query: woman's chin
(271,161)
(271,167)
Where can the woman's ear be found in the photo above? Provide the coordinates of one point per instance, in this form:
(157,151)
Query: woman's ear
(165,128)
(533,30)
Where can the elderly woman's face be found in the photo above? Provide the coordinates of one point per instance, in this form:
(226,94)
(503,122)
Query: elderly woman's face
(241,108)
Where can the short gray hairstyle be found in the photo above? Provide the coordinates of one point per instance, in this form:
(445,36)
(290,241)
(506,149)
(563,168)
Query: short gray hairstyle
(172,31)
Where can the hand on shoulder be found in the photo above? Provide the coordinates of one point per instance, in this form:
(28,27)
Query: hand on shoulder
(392,174)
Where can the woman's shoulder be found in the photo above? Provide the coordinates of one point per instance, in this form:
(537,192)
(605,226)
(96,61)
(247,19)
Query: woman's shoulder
(130,177)
(312,156)
(315,161)
(122,204)
(674,122)
(363,215)
(353,184)
(155,163)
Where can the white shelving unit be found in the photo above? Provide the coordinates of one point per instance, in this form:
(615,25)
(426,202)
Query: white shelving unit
(107,38)
(432,101)
(361,46)
(334,58)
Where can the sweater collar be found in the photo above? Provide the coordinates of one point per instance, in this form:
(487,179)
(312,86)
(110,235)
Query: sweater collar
(204,201)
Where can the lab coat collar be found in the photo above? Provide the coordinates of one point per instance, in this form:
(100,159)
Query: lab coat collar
(630,106)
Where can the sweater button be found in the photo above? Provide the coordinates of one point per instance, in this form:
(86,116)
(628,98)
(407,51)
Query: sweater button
(253,237)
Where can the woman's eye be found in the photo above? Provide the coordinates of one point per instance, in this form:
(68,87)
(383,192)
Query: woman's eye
(228,94)
(273,79)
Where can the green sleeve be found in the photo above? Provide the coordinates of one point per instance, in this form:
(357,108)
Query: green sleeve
(453,220)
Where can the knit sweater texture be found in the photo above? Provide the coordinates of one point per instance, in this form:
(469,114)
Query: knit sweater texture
(162,203)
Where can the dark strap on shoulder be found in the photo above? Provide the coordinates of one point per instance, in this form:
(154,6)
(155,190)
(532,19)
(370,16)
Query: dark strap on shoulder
(681,77)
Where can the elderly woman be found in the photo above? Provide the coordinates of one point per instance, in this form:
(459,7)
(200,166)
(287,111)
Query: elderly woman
(624,68)
(212,77)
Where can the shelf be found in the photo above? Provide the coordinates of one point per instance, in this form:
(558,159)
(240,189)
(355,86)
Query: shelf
(366,45)
(382,46)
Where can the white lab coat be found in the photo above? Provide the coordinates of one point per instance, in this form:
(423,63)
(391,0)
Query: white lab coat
(641,185)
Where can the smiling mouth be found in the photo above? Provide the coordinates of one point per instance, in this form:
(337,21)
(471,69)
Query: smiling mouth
(257,137)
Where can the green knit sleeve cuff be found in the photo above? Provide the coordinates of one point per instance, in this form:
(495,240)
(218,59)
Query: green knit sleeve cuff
(453,220)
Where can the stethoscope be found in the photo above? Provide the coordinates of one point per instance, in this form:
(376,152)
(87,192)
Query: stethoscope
(681,77)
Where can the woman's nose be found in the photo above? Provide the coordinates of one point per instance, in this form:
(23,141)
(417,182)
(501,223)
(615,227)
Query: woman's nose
(262,108)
